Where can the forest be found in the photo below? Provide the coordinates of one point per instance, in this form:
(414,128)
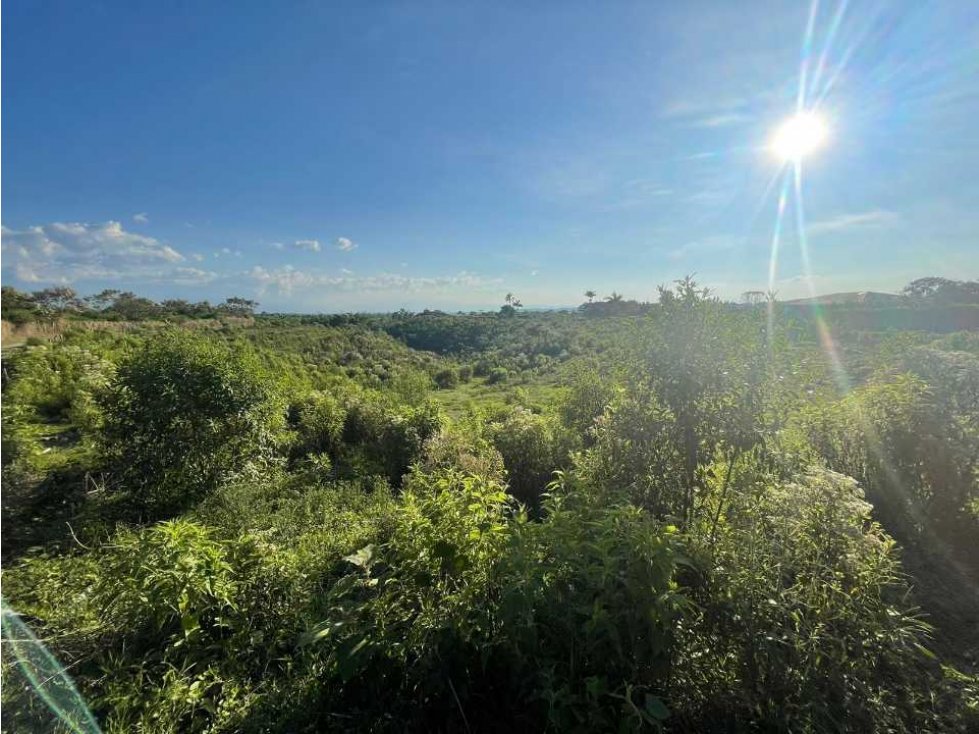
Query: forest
(680,516)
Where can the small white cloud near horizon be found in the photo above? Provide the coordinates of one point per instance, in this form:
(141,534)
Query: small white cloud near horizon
(277,246)
(308,245)
(288,279)
(345,244)
(874,218)
(141,218)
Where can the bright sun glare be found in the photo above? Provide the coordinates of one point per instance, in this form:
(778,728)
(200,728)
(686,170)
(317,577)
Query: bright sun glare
(799,136)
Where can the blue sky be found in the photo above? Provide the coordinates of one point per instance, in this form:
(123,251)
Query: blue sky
(369,156)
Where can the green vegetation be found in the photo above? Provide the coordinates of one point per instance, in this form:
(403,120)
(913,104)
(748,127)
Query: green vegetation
(661,517)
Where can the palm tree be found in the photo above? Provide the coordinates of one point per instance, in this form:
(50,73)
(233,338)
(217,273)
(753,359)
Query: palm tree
(590,295)
(614,298)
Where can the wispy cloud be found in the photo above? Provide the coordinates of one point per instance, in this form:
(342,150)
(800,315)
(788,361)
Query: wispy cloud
(67,252)
(345,244)
(704,106)
(724,119)
(875,218)
(288,280)
(192,276)
(714,243)
(141,218)
(308,245)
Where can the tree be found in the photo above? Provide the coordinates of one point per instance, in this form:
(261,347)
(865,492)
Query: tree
(510,306)
(590,295)
(177,306)
(614,298)
(57,299)
(103,300)
(753,298)
(706,366)
(18,306)
(183,415)
(132,307)
(934,290)
(239,306)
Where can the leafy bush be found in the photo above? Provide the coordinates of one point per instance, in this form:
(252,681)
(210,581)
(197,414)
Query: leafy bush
(802,619)
(318,421)
(57,385)
(385,441)
(533,447)
(917,461)
(447,378)
(185,414)
(489,619)
(589,394)
(497,375)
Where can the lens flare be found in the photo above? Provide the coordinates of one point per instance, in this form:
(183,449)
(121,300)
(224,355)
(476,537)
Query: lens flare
(799,136)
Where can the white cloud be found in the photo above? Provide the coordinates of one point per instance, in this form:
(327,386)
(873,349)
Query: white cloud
(310,245)
(278,245)
(141,218)
(875,218)
(288,279)
(723,119)
(704,106)
(711,244)
(197,256)
(345,244)
(192,276)
(68,252)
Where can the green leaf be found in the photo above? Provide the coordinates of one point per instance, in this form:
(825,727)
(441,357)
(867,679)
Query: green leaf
(362,558)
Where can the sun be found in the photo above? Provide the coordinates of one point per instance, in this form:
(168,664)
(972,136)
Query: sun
(799,136)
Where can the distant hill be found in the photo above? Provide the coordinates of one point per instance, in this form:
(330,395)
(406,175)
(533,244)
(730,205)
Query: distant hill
(863,298)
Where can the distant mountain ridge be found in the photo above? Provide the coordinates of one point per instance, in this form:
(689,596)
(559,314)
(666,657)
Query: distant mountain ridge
(866,298)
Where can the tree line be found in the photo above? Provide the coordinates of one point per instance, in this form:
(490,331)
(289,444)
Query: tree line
(64,302)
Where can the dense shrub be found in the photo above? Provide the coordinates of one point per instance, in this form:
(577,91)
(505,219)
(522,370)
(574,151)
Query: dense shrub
(497,375)
(318,422)
(651,536)
(533,447)
(184,414)
(917,461)
(447,378)
(802,621)
(493,621)
(588,395)
(384,441)
(51,386)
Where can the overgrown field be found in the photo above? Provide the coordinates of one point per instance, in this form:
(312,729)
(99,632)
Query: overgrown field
(683,520)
